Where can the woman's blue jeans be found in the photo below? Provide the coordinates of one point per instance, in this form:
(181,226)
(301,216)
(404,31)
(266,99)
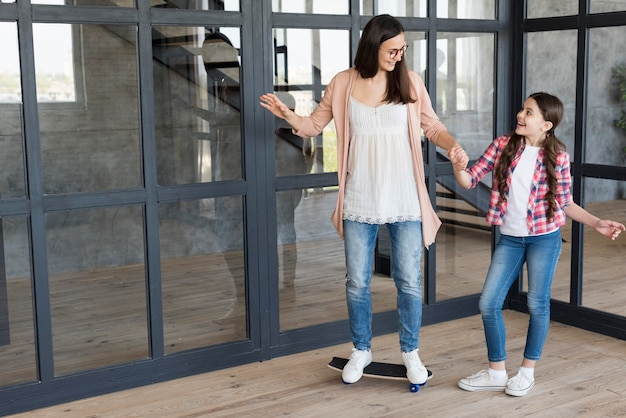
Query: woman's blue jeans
(541,254)
(406,253)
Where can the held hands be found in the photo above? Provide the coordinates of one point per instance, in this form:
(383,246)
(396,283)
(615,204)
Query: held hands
(458,157)
(459,160)
(611,229)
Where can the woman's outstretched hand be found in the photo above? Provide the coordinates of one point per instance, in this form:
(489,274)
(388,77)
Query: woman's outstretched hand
(272,103)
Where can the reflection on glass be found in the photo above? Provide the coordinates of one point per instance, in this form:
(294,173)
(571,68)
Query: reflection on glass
(97,287)
(333,7)
(96,146)
(203,272)
(552,79)
(18,360)
(225,5)
(305,61)
(463,242)
(294,155)
(309,56)
(198,104)
(311,263)
(541,8)
(604,262)
(607,6)
(11,142)
(606,101)
(465,89)
(464,102)
(481,9)
(398,8)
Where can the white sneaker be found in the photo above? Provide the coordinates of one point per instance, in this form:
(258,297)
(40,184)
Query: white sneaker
(482,381)
(519,385)
(415,370)
(353,370)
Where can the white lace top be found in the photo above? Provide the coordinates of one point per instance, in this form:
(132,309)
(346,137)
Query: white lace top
(380,186)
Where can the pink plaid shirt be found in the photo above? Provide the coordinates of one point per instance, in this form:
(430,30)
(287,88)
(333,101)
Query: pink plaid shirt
(536,218)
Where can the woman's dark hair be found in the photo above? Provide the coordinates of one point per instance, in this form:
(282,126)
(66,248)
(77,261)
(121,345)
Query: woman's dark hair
(552,111)
(379,29)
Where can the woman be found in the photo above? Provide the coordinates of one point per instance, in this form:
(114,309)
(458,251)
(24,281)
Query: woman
(379,108)
(530,200)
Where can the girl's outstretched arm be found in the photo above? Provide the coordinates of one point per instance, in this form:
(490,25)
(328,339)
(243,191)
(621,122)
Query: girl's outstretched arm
(605,227)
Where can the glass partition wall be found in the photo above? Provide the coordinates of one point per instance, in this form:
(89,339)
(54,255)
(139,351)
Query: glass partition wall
(155,222)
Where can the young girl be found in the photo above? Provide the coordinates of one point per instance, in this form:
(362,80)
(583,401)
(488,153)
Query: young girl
(530,200)
(379,108)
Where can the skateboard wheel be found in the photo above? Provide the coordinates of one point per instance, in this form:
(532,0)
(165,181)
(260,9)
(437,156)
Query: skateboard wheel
(414,388)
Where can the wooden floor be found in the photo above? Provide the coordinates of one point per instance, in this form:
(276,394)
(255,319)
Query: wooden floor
(581,375)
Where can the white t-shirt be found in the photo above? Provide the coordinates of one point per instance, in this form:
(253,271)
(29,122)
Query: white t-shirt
(514,222)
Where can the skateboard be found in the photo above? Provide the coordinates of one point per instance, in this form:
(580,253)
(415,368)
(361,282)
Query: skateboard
(381,371)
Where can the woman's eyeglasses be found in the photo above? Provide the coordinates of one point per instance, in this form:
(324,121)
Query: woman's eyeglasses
(393,53)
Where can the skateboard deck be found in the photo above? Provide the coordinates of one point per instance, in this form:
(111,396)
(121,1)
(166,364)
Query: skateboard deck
(379,370)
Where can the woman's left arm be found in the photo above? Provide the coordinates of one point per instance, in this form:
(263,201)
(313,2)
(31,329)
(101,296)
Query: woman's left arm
(446,141)
(606,227)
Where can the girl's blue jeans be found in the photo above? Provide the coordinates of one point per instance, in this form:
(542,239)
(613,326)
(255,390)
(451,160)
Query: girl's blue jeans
(406,253)
(541,254)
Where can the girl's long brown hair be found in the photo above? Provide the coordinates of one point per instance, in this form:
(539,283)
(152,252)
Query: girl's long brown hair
(552,111)
(379,29)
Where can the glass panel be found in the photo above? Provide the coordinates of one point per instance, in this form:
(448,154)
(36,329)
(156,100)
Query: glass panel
(11,138)
(226,5)
(463,243)
(97,287)
(606,97)
(606,6)
(309,56)
(305,61)
(464,102)
(553,8)
(333,7)
(109,3)
(540,49)
(415,56)
(465,89)
(197,103)
(398,8)
(604,262)
(92,144)
(56,60)
(311,262)
(460,9)
(18,360)
(541,77)
(203,272)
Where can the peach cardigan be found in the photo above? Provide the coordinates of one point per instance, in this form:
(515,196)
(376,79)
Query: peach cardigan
(334,105)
